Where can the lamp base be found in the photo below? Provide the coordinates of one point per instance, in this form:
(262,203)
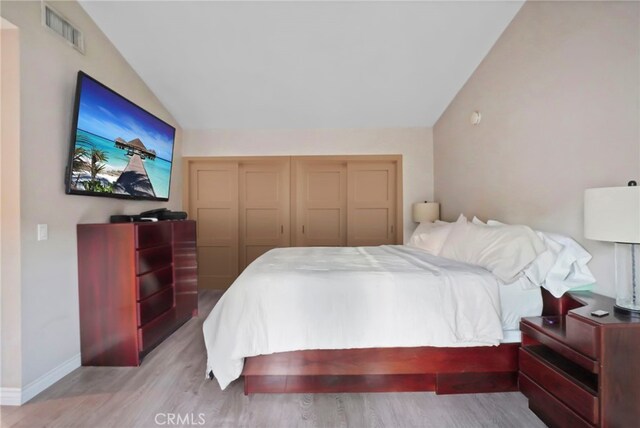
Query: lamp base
(633,313)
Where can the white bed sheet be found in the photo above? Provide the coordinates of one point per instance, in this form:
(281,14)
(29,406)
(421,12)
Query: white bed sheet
(511,336)
(350,297)
(517,300)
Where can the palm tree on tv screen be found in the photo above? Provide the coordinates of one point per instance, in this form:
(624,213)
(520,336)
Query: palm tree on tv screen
(79,163)
(98,157)
(95,167)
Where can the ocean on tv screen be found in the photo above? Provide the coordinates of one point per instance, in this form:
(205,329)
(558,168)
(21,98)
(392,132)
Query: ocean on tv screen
(102,166)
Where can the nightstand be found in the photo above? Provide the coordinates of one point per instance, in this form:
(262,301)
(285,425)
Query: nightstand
(579,370)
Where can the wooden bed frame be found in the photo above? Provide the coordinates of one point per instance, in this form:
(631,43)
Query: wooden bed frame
(443,370)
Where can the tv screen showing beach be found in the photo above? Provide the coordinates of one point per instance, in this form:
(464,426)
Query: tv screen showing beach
(120,149)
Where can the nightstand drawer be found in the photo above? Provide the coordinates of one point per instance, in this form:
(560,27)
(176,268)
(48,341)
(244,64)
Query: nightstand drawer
(554,336)
(568,382)
(551,410)
(582,336)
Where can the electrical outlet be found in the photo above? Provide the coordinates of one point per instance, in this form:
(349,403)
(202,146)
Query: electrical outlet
(43,232)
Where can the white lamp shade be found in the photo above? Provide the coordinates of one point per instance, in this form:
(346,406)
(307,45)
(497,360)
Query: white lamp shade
(612,214)
(426,212)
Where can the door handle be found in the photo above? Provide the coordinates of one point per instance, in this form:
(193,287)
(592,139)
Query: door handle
(391,228)
(282,229)
(303,228)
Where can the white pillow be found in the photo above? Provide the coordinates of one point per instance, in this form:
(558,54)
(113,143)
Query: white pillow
(505,250)
(562,267)
(430,237)
(538,271)
(476,220)
(570,269)
(422,228)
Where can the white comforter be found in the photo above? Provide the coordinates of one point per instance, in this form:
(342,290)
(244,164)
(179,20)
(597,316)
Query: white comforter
(351,297)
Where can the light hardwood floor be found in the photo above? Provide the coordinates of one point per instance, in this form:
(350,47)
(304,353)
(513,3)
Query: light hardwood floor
(172,380)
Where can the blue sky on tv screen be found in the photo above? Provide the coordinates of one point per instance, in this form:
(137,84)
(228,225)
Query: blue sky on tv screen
(110,116)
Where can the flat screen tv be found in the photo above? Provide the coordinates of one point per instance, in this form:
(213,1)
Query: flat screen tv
(117,148)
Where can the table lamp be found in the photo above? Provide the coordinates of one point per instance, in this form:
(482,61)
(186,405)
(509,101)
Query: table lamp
(426,212)
(612,214)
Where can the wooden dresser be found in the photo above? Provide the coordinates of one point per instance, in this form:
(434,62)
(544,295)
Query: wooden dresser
(579,370)
(137,284)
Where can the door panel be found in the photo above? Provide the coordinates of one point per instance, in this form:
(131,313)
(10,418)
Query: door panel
(213,261)
(371,222)
(264,207)
(218,184)
(213,203)
(323,224)
(263,223)
(321,203)
(370,185)
(214,224)
(324,186)
(371,203)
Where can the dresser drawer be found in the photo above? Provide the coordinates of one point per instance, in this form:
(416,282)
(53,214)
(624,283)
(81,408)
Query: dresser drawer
(153,333)
(154,281)
(153,234)
(551,410)
(151,307)
(152,259)
(569,383)
(582,335)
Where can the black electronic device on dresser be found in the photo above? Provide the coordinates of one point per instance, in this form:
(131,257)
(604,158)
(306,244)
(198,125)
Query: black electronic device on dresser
(582,369)
(159,214)
(164,214)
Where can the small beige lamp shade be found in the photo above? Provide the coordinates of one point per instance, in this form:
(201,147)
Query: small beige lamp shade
(424,212)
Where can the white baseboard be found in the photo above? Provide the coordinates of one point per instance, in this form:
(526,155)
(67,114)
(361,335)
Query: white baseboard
(17,396)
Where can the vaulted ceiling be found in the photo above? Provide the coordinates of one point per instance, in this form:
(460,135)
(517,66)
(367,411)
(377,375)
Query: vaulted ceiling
(303,64)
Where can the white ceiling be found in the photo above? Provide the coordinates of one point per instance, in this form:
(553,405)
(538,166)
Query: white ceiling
(303,64)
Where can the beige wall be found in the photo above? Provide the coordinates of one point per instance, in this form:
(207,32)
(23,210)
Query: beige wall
(50,326)
(415,144)
(10,328)
(559,96)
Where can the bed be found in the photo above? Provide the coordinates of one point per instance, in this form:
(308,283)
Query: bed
(355,319)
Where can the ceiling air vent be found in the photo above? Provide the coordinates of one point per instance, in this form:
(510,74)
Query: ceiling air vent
(61,26)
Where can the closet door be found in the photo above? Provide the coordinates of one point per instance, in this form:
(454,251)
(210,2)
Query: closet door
(213,203)
(371,196)
(264,207)
(320,203)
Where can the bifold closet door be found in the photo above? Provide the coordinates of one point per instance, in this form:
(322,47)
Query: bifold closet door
(371,202)
(213,203)
(320,206)
(264,207)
